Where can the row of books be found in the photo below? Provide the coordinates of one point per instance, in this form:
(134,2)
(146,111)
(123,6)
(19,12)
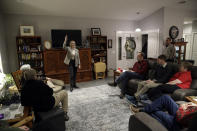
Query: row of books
(34,64)
(32,56)
(29,49)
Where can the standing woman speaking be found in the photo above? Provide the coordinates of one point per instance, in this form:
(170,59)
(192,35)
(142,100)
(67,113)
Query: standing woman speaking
(72,60)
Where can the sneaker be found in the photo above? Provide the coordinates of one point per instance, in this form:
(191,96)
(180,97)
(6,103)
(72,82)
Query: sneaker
(134,109)
(112,84)
(75,86)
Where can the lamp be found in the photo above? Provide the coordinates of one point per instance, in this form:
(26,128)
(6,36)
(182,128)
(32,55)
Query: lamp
(138,30)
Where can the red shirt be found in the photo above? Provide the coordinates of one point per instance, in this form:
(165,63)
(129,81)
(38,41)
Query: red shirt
(184,77)
(140,67)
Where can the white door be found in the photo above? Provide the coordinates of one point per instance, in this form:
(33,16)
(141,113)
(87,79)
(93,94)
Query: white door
(153,44)
(194,48)
(121,55)
(188,38)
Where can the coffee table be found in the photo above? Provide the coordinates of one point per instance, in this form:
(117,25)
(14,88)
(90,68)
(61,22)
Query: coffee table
(116,73)
(192,99)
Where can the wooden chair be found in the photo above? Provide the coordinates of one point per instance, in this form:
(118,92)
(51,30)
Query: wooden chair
(27,118)
(99,69)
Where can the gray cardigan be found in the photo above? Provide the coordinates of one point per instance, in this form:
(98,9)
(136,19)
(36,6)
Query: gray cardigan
(69,56)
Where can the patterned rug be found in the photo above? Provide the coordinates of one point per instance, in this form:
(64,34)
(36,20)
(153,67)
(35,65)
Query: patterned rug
(97,109)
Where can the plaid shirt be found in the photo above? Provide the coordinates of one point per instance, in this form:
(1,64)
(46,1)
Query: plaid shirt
(140,67)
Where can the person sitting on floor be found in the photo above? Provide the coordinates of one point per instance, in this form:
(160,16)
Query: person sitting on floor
(173,120)
(162,74)
(181,80)
(137,72)
(39,96)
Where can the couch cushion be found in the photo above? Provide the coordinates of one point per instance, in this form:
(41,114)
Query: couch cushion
(180,94)
(144,122)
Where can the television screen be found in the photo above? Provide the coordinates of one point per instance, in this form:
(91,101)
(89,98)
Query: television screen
(58,37)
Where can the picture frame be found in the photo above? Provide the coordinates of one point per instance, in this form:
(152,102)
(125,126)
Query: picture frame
(109,43)
(96,31)
(26,30)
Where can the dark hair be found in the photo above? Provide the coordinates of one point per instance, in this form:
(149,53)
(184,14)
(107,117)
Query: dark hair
(162,57)
(142,54)
(186,65)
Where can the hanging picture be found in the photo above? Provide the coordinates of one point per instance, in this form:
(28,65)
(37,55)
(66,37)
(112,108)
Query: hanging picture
(130,46)
(26,30)
(96,31)
(110,43)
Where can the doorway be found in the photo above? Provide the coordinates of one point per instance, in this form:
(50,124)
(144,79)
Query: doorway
(145,44)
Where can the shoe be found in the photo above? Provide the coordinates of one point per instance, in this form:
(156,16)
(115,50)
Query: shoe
(112,84)
(75,86)
(134,109)
(66,117)
(71,89)
(121,96)
(130,97)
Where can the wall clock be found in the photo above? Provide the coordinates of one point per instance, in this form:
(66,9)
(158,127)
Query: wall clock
(173,32)
(47,45)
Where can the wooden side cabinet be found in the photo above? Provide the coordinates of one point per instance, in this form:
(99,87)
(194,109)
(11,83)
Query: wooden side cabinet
(54,66)
(180,51)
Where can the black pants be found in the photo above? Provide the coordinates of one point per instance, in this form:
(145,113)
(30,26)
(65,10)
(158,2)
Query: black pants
(73,72)
(162,89)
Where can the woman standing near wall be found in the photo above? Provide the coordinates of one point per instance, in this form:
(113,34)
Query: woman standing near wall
(72,60)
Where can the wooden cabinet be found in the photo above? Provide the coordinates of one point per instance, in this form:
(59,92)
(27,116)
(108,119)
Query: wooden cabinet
(54,66)
(29,50)
(180,51)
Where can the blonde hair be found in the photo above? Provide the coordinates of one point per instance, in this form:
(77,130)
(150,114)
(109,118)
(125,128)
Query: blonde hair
(72,42)
(29,74)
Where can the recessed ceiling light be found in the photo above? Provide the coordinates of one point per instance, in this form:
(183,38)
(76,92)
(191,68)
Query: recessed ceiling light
(182,1)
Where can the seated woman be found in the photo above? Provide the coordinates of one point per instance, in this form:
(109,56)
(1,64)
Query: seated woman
(167,119)
(39,96)
(180,80)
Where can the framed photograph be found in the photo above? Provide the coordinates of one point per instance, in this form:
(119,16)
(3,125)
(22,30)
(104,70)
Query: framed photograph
(110,43)
(96,31)
(27,30)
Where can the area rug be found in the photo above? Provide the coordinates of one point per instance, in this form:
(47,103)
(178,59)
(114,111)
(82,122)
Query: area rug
(97,109)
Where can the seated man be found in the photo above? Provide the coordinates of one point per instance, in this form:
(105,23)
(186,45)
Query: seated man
(55,84)
(138,72)
(181,80)
(156,110)
(162,74)
(39,96)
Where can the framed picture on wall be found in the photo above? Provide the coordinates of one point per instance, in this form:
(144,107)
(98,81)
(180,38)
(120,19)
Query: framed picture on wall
(96,31)
(110,43)
(26,30)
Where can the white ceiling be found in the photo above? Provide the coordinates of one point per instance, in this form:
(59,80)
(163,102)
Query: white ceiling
(105,9)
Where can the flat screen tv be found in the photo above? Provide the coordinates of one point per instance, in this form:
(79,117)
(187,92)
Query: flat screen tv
(58,37)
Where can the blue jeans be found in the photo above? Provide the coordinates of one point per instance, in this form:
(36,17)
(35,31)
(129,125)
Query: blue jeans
(156,110)
(125,77)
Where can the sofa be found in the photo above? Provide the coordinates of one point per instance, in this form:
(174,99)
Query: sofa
(144,122)
(178,95)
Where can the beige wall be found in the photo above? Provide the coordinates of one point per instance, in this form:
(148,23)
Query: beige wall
(44,24)
(3,46)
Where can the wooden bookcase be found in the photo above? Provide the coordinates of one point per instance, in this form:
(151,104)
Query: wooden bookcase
(29,50)
(98,45)
(180,51)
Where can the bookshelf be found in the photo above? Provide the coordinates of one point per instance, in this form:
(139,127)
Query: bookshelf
(98,45)
(180,51)
(29,50)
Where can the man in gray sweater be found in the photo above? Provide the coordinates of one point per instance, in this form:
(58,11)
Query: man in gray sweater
(170,51)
